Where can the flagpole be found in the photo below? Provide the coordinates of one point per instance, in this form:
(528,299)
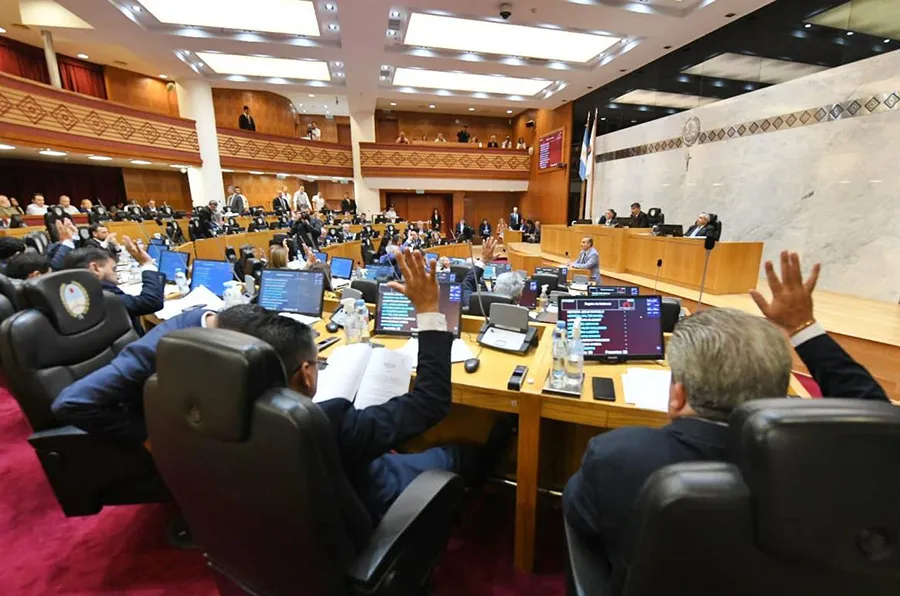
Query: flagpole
(592,161)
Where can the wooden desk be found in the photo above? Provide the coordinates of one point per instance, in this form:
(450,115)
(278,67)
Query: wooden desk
(565,241)
(520,260)
(458,251)
(512,236)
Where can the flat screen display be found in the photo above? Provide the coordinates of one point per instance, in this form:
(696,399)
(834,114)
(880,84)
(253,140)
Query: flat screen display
(431,256)
(616,329)
(379,272)
(530,294)
(606,291)
(494,271)
(550,150)
(444,277)
(155,250)
(322,257)
(286,290)
(212,274)
(396,315)
(170,260)
(341,268)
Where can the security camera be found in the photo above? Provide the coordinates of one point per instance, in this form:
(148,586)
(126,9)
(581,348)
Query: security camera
(505,11)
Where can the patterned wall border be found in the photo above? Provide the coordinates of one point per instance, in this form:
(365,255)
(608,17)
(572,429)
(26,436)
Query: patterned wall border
(37,114)
(854,108)
(411,161)
(284,154)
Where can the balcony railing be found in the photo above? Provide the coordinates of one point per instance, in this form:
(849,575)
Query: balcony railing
(254,151)
(443,160)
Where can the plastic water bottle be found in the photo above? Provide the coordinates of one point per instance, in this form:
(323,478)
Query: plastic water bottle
(181,282)
(543,300)
(575,359)
(560,352)
(351,321)
(362,314)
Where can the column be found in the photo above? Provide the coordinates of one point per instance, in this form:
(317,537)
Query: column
(50,56)
(195,102)
(362,129)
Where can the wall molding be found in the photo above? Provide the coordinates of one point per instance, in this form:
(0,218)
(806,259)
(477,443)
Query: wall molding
(381,160)
(239,149)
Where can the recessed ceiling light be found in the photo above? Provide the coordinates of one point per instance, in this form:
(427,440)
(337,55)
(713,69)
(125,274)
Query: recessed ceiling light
(136,8)
(887,41)
(452,33)
(2,30)
(329,7)
(603,118)
(4,147)
(52,153)
(140,162)
(460,81)
(332,26)
(471,109)
(266,67)
(82,56)
(99,158)
(509,111)
(255,173)
(164,76)
(292,17)
(178,166)
(807,26)
(432,106)
(312,94)
(849,32)
(393,103)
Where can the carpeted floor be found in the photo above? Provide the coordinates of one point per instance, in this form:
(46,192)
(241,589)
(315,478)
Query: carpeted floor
(123,551)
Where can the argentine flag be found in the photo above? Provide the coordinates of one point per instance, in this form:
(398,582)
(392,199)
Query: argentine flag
(585,165)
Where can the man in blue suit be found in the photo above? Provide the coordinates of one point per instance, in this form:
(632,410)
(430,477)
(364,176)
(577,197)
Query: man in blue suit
(588,259)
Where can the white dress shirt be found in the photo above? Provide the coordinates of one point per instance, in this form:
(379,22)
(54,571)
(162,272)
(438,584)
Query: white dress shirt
(301,199)
(34,209)
(318,202)
(315,134)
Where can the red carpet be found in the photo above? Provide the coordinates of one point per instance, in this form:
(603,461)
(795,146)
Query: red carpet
(123,551)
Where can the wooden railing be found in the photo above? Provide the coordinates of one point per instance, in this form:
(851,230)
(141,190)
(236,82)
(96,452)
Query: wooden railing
(255,151)
(442,160)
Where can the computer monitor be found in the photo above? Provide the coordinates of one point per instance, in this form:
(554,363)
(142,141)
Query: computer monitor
(169,261)
(322,257)
(676,230)
(341,267)
(379,272)
(396,315)
(522,274)
(530,294)
(445,277)
(617,329)
(494,271)
(154,250)
(212,275)
(158,241)
(457,261)
(562,274)
(287,290)
(431,256)
(608,291)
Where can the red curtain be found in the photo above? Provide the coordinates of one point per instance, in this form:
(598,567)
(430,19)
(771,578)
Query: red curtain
(23,60)
(21,178)
(81,77)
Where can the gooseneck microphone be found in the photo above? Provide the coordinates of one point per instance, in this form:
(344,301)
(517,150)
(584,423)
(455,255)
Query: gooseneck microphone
(658,269)
(709,244)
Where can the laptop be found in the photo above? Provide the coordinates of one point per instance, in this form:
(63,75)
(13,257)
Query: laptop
(378,272)
(492,272)
(322,257)
(341,271)
(212,275)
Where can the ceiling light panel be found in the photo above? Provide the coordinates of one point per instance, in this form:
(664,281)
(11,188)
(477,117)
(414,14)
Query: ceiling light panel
(460,81)
(646,97)
(235,64)
(873,17)
(753,68)
(451,33)
(291,17)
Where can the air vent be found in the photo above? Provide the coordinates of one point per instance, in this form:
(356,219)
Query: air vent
(394,24)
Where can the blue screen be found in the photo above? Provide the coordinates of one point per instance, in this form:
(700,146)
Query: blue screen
(377,272)
(169,261)
(613,290)
(431,256)
(212,274)
(159,241)
(341,268)
(457,261)
(396,315)
(321,256)
(154,251)
(445,277)
(285,290)
(494,271)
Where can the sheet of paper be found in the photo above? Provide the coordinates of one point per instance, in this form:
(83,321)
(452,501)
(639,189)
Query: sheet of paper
(300,318)
(503,339)
(459,352)
(346,367)
(386,376)
(200,296)
(647,388)
(132,289)
(578,287)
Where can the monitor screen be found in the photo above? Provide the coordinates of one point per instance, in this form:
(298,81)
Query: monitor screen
(158,241)
(458,261)
(530,294)
(495,270)
(286,290)
(321,256)
(445,277)
(154,250)
(170,260)
(396,315)
(562,273)
(613,290)
(379,272)
(616,329)
(212,274)
(341,268)
(431,256)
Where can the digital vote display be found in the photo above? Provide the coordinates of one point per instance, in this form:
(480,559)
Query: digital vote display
(495,271)
(396,315)
(530,294)
(341,268)
(379,272)
(170,260)
(286,290)
(444,277)
(212,274)
(607,291)
(616,329)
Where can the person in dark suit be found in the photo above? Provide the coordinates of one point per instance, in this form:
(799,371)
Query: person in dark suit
(515,219)
(609,219)
(436,220)
(711,376)
(245,120)
(701,227)
(348,205)
(280,203)
(484,229)
(462,231)
(639,219)
(102,238)
(98,262)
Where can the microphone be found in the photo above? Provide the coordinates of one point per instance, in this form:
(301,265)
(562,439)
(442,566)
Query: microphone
(709,243)
(658,269)
(474,363)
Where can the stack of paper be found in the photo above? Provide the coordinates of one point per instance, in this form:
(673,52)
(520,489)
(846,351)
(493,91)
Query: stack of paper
(647,388)
(200,297)
(459,352)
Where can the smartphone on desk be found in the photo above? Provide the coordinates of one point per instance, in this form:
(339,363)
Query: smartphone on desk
(604,389)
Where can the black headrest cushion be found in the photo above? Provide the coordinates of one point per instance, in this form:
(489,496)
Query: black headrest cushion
(211,377)
(72,300)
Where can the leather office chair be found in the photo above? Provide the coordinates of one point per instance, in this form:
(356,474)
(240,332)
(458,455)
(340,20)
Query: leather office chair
(43,349)
(257,474)
(174,233)
(367,252)
(39,241)
(98,214)
(195,232)
(9,300)
(368,288)
(486,300)
(656,216)
(670,313)
(460,271)
(546,279)
(808,507)
(716,225)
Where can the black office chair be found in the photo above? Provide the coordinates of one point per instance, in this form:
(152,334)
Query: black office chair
(808,507)
(47,347)
(670,313)
(54,213)
(9,298)
(656,216)
(581,222)
(716,226)
(460,271)
(368,288)
(174,233)
(195,232)
(98,214)
(486,300)
(38,240)
(551,280)
(256,472)
(367,251)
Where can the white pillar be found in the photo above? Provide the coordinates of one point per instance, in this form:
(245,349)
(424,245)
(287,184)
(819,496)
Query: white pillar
(50,56)
(362,129)
(195,102)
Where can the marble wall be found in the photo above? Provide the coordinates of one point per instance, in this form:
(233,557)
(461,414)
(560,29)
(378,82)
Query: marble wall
(827,186)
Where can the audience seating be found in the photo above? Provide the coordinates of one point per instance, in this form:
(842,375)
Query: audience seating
(808,507)
(10,292)
(38,240)
(477,300)
(368,288)
(255,470)
(43,349)
(656,216)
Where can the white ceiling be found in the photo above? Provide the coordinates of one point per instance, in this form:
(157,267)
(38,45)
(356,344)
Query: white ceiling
(356,45)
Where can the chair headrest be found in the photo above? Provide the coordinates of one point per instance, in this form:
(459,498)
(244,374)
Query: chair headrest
(211,377)
(72,300)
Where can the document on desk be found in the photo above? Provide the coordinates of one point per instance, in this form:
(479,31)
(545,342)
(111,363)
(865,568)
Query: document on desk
(647,388)
(200,297)
(364,375)
(308,321)
(503,339)
(459,352)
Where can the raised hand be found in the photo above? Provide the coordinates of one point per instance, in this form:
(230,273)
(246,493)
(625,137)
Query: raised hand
(65,230)
(487,249)
(138,253)
(791,307)
(421,285)
(310,255)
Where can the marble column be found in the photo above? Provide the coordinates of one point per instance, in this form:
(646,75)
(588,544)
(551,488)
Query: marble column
(195,102)
(362,129)
(50,56)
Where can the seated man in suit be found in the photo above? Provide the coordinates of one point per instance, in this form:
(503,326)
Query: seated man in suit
(462,231)
(150,210)
(609,219)
(534,235)
(701,227)
(588,258)
(720,358)
(639,219)
(102,238)
(98,262)
(346,234)
(26,265)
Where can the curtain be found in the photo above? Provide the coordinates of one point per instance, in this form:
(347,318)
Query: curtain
(81,77)
(21,178)
(23,61)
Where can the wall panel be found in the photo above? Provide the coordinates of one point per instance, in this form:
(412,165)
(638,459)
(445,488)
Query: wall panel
(492,205)
(162,186)
(415,124)
(547,196)
(271,112)
(140,91)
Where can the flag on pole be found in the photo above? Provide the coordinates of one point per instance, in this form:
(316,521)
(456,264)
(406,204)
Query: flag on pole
(589,163)
(584,168)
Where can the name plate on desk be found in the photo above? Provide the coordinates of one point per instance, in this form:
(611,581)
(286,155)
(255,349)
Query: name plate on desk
(502,339)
